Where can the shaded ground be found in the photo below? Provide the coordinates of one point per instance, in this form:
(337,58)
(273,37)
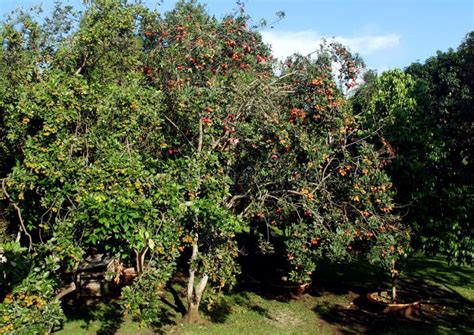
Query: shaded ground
(447,295)
(334,305)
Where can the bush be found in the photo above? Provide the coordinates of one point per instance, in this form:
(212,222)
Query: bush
(31,308)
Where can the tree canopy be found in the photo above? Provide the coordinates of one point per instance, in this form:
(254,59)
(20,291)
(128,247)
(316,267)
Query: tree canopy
(168,141)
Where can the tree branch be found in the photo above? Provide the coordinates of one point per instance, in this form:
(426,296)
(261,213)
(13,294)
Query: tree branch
(18,210)
(82,65)
(201,287)
(199,148)
(178,129)
(192,271)
(142,258)
(66,291)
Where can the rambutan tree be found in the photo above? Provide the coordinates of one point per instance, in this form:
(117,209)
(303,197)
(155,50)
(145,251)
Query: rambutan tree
(149,137)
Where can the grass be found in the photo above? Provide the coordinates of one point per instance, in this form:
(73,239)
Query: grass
(333,306)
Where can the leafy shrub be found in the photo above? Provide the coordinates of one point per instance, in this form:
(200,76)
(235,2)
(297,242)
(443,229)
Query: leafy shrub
(31,308)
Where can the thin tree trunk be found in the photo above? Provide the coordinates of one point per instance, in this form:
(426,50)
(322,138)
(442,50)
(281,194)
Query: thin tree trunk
(394,292)
(394,282)
(194,294)
(140,259)
(199,148)
(137,261)
(194,300)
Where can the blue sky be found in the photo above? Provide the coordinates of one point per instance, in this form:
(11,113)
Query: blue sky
(387,33)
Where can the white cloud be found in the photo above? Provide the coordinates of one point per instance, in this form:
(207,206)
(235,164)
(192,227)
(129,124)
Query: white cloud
(285,43)
(366,45)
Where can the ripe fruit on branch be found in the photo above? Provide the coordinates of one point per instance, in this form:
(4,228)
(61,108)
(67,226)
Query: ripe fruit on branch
(206,121)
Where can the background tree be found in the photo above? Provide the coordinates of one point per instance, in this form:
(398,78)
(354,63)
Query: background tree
(426,116)
(319,190)
(447,98)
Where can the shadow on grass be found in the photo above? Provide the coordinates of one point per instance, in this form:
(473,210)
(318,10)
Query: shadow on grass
(345,278)
(355,320)
(175,298)
(437,270)
(334,288)
(166,319)
(443,309)
(178,305)
(107,314)
(362,318)
(219,312)
(224,307)
(110,320)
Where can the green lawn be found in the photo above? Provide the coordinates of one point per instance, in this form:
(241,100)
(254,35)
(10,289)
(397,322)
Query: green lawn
(333,306)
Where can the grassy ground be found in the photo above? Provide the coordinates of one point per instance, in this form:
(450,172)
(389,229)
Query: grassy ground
(335,305)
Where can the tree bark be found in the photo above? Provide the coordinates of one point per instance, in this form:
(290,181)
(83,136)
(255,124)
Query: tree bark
(394,282)
(140,259)
(192,315)
(199,148)
(137,261)
(394,292)
(194,293)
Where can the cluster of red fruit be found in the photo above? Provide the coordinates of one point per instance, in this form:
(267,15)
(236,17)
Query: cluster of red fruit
(181,33)
(296,113)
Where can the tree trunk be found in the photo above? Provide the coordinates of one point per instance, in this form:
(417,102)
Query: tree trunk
(140,259)
(194,299)
(194,293)
(192,315)
(394,292)
(394,282)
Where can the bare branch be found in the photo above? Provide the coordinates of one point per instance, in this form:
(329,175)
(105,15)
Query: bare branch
(71,288)
(78,71)
(20,218)
(199,148)
(178,129)
(365,137)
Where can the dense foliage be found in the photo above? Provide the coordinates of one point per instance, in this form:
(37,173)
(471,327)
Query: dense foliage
(426,115)
(446,98)
(158,139)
